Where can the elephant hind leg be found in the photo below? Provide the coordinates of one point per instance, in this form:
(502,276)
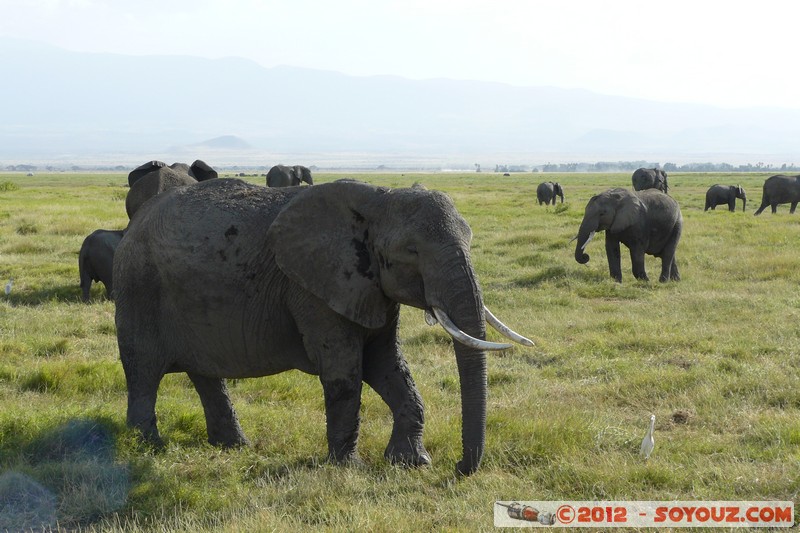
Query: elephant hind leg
(793,207)
(674,275)
(388,374)
(222,424)
(142,395)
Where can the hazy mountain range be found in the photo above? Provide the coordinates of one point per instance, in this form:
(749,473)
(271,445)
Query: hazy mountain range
(57,105)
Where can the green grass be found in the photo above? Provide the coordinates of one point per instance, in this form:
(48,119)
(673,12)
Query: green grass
(716,357)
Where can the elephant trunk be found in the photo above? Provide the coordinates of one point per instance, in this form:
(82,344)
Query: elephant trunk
(744,203)
(463,303)
(585,235)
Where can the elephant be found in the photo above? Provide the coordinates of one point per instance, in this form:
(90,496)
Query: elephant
(226,279)
(96,260)
(780,189)
(199,170)
(647,222)
(283,176)
(162,178)
(649,178)
(547,191)
(725,194)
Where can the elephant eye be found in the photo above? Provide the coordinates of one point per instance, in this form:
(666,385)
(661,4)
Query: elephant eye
(412,250)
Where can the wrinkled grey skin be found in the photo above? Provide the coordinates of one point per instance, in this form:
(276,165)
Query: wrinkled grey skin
(780,189)
(156,182)
(215,280)
(283,176)
(725,194)
(649,178)
(96,260)
(546,193)
(647,222)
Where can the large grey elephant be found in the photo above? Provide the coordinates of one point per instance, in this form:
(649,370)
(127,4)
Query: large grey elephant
(647,222)
(547,191)
(780,189)
(725,194)
(649,178)
(283,176)
(226,279)
(157,181)
(96,260)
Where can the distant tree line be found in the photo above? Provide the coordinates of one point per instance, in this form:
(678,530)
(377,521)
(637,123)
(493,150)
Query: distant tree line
(630,166)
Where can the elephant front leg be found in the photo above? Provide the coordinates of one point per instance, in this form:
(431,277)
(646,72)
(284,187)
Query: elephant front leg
(614,258)
(222,424)
(386,371)
(792,208)
(342,404)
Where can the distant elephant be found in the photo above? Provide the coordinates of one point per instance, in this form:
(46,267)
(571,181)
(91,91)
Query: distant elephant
(216,280)
(650,178)
(547,191)
(725,194)
(96,260)
(157,181)
(199,170)
(780,189)
(283,176)
(647,222)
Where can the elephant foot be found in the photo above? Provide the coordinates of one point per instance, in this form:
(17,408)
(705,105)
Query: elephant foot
(408,452)
(350,459)
(229,441)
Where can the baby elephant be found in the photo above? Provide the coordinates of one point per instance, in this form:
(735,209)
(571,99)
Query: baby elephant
(725,194)
(547,191)
(647,222)
(96,260)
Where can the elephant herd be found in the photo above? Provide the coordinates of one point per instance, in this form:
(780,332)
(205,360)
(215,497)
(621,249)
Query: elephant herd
(648,221)
(220,279)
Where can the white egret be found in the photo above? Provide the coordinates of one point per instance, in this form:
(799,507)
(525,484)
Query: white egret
(648,442)
(9,285)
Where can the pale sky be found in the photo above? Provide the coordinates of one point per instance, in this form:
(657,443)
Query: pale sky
(730,54)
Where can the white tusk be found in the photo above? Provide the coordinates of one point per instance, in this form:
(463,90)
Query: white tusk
(591,236)
(462,337)
(505,330)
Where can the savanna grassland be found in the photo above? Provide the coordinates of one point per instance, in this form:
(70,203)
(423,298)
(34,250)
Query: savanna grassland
(716,357)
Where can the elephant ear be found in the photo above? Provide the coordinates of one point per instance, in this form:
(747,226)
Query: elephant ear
(321,241)
(630,210)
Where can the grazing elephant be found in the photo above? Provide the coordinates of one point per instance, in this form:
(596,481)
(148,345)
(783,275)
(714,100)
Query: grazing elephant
(780,189)
(216,280)
(546,193)
(96,260)
(156,182)
(649,178)
(283,176)
(647,222)
(725,194)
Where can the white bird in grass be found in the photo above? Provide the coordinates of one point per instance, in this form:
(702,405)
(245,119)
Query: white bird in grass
(648,443)
(9,285)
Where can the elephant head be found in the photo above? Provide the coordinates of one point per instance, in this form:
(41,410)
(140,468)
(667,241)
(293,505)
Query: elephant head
(558,191)
(142,170)
(739,191)
(301,174)
(374,248)
(614,210)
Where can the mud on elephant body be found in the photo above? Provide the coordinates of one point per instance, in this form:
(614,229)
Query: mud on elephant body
(647,222)
(253,303)
(96,260)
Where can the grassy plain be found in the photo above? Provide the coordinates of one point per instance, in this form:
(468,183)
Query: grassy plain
(716,357)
